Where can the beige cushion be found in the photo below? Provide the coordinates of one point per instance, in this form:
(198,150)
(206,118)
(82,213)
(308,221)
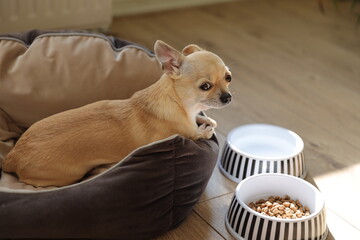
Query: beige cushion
(60,71)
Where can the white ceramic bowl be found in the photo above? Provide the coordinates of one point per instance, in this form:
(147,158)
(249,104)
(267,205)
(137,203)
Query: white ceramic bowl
(262,148)
(244,223)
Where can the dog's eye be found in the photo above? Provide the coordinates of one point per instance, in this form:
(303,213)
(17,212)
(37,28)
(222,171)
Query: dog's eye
(206,86)
(228,78)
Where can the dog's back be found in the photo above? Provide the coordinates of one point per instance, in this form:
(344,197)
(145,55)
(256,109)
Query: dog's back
(60,149)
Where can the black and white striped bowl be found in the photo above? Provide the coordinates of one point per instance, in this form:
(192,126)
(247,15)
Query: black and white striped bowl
(262,148)
(244,223)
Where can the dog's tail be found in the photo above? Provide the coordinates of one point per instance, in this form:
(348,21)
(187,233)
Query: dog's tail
(9,164)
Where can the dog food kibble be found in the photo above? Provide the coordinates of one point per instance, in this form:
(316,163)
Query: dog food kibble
(278,207)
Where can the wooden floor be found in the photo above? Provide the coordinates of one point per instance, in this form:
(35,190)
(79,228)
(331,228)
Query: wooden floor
(292,66)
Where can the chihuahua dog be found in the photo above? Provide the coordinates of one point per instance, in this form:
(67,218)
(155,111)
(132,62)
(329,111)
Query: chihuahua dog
(61,149)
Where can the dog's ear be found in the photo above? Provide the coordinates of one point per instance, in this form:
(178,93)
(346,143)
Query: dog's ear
(170,59)
(189,49)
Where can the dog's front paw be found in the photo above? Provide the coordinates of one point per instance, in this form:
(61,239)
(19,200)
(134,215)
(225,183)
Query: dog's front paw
(206,120)
(205,131)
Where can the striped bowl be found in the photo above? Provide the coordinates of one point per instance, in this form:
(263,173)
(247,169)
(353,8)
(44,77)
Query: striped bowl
(262,148)
(244,223)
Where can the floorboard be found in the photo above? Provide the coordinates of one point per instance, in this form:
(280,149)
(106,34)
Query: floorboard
(292,66)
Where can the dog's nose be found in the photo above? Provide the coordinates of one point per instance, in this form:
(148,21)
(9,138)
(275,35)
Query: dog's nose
(225,98)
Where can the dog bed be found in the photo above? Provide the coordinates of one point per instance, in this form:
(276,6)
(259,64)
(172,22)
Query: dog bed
(149,192)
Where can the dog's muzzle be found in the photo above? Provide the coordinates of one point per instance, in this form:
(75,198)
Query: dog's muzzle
(225,98)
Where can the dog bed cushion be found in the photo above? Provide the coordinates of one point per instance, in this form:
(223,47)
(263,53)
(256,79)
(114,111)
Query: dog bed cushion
(149,192)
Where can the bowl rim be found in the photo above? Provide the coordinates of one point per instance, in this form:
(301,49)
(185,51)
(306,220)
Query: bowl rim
(247,208)
(253,156)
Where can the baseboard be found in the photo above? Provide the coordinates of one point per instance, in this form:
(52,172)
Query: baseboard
(128,7)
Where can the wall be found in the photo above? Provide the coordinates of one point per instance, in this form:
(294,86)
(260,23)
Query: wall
(127,7)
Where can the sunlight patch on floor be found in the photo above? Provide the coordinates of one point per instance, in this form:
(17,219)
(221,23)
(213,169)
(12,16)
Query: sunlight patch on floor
(341,191)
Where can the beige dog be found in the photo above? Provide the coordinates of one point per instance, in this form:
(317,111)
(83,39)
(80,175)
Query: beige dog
(61,149)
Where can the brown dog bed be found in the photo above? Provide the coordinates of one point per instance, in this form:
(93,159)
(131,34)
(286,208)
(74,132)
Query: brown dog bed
(149,192)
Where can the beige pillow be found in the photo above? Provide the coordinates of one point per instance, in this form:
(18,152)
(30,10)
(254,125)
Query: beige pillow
(63,71)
